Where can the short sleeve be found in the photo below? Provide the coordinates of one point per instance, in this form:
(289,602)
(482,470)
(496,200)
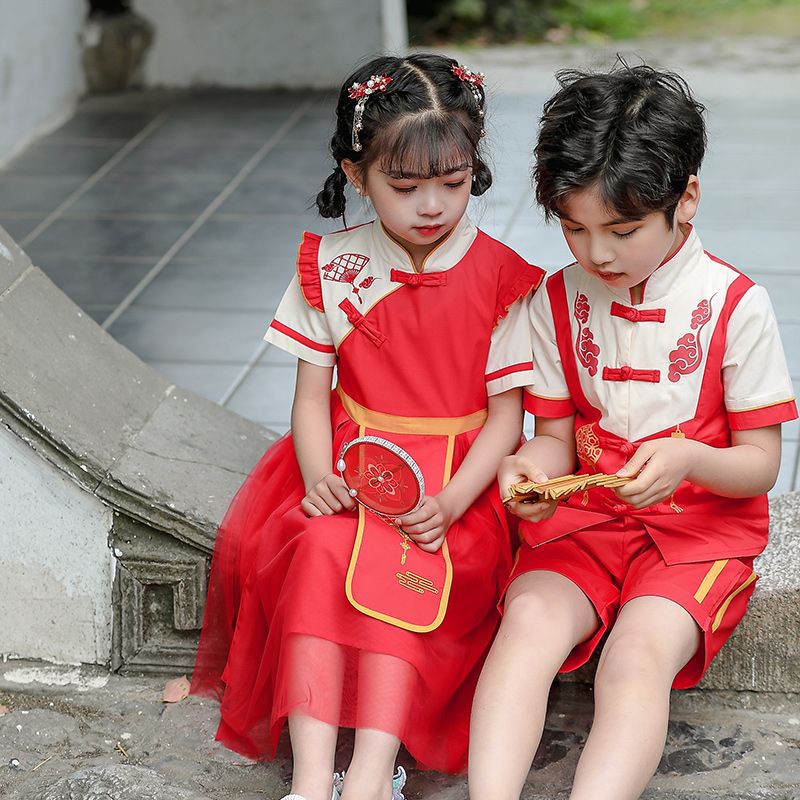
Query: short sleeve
(758,388)
(301,329)
(509,363)
(548,394)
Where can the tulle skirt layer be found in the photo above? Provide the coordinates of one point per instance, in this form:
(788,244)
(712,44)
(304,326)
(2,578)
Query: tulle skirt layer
(280,637)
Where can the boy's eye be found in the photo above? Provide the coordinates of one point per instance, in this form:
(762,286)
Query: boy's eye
(572,230)
(625,234)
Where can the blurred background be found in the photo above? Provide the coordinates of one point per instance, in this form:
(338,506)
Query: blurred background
(159,158)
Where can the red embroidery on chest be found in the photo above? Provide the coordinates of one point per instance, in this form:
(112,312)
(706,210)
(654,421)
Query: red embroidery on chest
(585,348)
(686,358)
(345,269)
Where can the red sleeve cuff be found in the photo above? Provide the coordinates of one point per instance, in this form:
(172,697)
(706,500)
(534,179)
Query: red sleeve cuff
(501,373)
(298,337)
(548,407)
(762,417)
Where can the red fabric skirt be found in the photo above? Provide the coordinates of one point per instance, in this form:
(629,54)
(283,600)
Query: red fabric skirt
(280,637)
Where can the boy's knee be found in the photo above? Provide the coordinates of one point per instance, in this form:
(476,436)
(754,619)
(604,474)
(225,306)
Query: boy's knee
(535,613)
(632,659)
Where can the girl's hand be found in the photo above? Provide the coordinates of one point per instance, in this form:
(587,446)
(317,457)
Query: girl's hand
(661,464)
(328,496)
(428,525)
(518,469)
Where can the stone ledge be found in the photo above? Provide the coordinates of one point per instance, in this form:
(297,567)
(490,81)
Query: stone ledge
(111,423)
(170,461)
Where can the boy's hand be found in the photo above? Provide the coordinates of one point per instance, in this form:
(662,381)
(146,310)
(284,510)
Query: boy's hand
(518,469)
(661,464)
(328,496)
(428,525)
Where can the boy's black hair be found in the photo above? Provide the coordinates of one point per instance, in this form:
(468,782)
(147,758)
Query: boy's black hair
(427,123)
(636,134)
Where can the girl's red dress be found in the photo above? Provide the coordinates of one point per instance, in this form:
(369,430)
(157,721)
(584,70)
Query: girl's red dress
(417,355)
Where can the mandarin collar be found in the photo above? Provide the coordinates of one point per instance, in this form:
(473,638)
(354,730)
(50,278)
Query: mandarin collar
(664,278)
(444,256)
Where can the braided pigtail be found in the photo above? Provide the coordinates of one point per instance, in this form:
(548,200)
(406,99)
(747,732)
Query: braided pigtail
(331,201)
(481,178)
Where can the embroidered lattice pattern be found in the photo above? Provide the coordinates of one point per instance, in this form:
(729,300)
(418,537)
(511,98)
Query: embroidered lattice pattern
(587,444)
(344,268)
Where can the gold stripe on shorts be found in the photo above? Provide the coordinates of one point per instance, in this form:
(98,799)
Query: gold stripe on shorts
(708,581)
(731,596)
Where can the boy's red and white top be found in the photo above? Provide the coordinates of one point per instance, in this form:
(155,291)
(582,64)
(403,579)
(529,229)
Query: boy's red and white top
(699,357)
(417,356)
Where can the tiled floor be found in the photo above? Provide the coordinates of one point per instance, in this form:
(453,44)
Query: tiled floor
(172,218)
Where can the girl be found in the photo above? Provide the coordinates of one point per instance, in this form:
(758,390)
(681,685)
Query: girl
(418,313)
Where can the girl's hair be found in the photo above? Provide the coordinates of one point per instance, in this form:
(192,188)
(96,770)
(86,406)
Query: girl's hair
(635,134)
(426,123)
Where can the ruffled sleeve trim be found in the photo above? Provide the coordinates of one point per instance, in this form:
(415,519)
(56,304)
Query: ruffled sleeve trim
(308,270)
(525,282)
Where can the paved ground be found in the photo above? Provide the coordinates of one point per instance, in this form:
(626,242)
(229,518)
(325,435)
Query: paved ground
(102,738)
(173,218)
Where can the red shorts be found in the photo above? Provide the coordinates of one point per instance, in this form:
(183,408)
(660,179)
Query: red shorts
(613,563)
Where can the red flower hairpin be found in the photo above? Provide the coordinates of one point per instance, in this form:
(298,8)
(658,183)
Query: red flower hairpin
(360,92)
(474,81)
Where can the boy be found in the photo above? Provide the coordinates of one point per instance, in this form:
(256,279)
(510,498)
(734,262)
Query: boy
(659,362)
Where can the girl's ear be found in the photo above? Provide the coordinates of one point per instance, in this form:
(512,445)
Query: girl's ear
(690,200)
(354,175)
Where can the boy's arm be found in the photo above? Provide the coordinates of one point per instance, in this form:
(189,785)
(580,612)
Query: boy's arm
(313,445)
(549,454)
(747,468)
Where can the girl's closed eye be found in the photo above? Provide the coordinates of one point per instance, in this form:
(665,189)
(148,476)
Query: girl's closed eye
(456,184)
(403,189)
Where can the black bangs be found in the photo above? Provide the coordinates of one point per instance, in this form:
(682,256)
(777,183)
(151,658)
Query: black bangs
(424,145)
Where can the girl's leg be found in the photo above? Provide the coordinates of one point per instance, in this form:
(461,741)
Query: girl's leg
(385,686)
(545,616)
(313,741)
(649,644)
(313,751)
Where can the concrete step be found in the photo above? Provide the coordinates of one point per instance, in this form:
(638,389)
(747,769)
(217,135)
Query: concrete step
(76,732)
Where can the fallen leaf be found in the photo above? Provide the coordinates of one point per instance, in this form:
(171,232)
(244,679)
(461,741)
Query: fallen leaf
(176,690)
(4,710)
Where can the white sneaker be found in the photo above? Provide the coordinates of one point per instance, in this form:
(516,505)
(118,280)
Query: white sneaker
(293,797)
(398,782)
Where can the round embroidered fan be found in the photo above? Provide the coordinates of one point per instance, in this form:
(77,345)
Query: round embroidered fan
(381,476)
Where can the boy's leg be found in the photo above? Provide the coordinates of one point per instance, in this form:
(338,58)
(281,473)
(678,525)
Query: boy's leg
(546,615)
(649,644)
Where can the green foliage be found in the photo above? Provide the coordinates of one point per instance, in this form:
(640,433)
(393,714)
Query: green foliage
(560,20)
(495,20)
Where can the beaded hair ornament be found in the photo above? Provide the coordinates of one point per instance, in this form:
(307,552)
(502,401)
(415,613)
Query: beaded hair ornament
(475,82)
(360,92)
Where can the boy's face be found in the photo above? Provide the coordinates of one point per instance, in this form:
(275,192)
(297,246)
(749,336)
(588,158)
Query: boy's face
(623,253)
